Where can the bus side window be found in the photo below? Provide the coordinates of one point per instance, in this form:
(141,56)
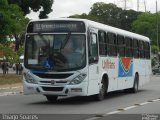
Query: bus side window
(141,49)
(147,50)
(135,48)
(102,43)
(121,45)
(129,50)
(93,48)
(112,45)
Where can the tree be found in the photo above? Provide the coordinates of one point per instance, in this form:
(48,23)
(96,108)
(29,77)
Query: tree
(11,56)
(111,15)
(126,19)
(25,6)
(19,23)
(146,25)
(154,49)
(44,6)
(12,20)
(107,13)
(4,20)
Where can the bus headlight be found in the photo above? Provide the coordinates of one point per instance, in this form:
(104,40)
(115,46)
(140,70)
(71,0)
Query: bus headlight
(78,79)
(29,78)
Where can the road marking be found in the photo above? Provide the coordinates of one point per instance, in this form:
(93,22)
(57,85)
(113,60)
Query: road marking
(123,109)
(156,100)
(144,103)
(130,107)
(114,112)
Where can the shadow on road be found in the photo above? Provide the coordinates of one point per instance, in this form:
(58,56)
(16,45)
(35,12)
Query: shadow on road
(86,99)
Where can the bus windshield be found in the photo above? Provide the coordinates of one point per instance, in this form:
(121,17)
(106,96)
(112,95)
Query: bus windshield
(58,52)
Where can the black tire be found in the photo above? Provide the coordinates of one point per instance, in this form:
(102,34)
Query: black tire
(51,98)
(135,85)
(101,95)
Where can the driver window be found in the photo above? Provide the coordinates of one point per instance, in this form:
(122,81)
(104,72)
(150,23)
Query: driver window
(93,48)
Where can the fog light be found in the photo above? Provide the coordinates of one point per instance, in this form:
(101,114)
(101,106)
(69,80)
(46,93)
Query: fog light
(38,90)
(66,91)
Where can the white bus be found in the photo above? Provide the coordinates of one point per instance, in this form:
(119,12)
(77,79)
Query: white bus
(78,57)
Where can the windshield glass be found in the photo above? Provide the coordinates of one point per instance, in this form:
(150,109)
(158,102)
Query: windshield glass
(59,52)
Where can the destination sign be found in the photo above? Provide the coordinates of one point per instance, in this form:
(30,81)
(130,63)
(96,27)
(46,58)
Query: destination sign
(56,26)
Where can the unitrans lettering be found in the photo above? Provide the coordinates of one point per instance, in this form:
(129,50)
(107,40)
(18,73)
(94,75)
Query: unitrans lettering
(106,64)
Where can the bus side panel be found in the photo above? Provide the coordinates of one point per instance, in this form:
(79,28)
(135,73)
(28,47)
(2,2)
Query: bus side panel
(140,67)
(144,71)
(94,79)
(125,72)
(109,66)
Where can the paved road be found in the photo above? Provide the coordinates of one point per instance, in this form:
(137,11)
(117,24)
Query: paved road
(86,107)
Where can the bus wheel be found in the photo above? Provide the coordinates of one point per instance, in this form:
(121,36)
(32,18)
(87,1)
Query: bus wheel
(102,92)
(136,84)
(51,98)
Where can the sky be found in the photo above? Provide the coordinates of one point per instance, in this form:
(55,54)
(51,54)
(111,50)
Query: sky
(65,8)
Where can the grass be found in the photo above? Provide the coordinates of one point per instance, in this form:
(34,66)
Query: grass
(10,79)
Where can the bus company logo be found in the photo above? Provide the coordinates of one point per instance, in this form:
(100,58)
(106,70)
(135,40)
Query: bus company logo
(106,64)
(125,67)
(53,82)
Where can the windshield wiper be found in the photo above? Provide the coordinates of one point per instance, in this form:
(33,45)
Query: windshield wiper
(66,40)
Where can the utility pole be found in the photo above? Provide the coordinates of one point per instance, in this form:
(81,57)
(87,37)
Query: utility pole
(158,56)
(137,5)
(157,25)
(145,6)
(125,4)
(141,5)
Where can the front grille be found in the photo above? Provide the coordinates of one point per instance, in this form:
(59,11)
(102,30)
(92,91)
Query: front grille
(49,82)
(45,81)
(53,76)
(61,81)
(52,88)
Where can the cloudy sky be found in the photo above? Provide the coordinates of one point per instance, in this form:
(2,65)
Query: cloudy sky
(65,8)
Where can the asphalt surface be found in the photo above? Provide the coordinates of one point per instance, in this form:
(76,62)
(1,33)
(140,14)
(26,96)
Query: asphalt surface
(116,105)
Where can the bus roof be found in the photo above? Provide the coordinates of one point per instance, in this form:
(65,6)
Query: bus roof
(101,27)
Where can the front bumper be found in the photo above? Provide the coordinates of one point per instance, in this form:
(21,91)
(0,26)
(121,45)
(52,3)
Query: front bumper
(61,90)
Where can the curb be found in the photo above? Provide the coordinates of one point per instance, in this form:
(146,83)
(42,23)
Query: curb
(9,88)
(9,91)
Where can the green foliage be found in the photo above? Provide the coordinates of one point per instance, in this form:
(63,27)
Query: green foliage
(13,57)
(126,19)
(8,51)
(18,21)
(111,15)
(154,49)
(4,20)
(106,13)
(45,6)
(12,20)
(146,25)
(153,61)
